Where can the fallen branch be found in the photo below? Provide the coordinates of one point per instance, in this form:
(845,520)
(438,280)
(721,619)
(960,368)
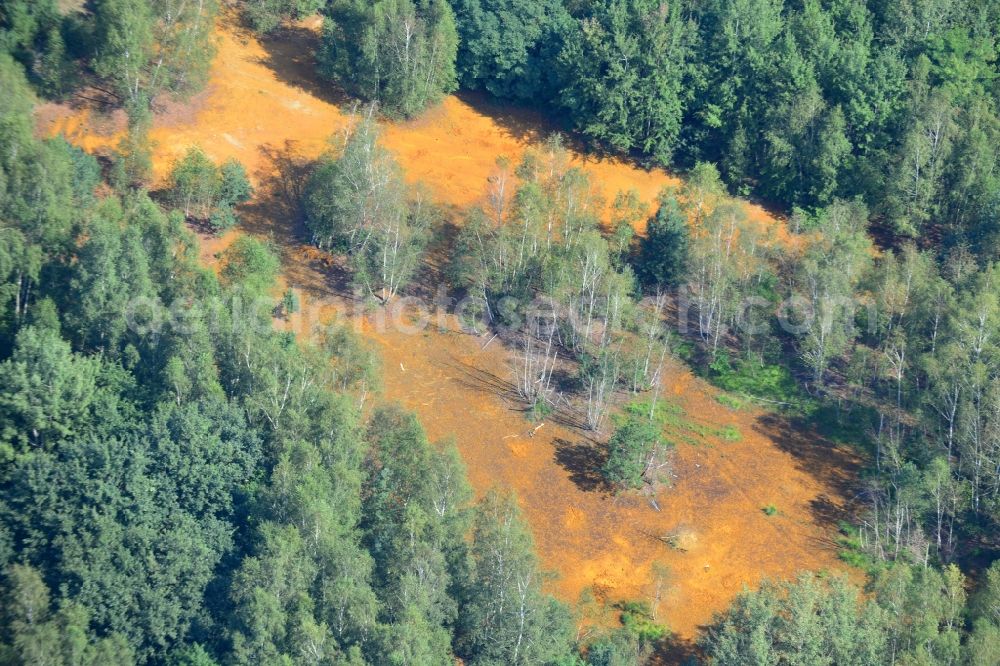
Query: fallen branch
(773,402)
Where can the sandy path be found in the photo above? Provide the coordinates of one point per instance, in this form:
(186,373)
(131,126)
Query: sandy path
(264,107)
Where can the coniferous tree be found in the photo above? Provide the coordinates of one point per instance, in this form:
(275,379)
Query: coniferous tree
(663,250)
(624,69)
(507,47)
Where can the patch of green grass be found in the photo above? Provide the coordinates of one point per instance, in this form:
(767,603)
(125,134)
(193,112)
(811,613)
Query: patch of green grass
(672,420)
(730,401)
(769,382)
(730,433)
(664,409)
(637,618)
(666,414)
(855,559)
(851,551)
(770,510)
(684,350)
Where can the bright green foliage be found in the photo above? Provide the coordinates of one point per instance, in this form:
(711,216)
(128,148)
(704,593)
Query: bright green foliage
(633,452)
(827,280)
(914,615)
(506,618)
(983,646)
(47,390)
(194,181)
(133,165)
(36,178)
(124,45)
(398,53)
(251,264)
(813,621)
(726,268)
(147,47)
(113,275)
(357,202)
(41,186)
(986,603)
(356,364)
(204,191)
(276,614)
(924,608)
(411,542)
(138,49)
(537,232)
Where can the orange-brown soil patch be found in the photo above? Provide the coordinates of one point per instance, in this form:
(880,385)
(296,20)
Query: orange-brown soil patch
(593,539)
(265,107)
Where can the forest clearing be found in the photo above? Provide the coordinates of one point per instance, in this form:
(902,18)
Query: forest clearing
(259,107)
(482,332)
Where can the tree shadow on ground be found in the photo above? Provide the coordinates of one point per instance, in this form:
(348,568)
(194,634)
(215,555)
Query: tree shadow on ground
(276,213)
(568,416)
(584,461)
(520,122)
(484,381)
(277,209)
(430,283)
(677,651)
(291,55)
(836,467)
(534,124)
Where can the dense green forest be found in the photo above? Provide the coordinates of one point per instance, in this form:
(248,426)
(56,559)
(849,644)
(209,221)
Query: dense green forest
(798,103)
(182,484)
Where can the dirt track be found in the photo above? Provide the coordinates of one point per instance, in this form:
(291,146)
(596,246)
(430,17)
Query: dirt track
(265,107)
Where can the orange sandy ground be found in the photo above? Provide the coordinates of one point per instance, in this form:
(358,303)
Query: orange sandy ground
(264,107)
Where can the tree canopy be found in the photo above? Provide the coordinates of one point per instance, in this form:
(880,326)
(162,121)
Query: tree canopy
(398,53)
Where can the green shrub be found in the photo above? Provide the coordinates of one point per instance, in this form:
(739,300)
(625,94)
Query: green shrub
(234,186)
(207,192)
(730,433)
(251,264)
(290,302)
(634,450)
